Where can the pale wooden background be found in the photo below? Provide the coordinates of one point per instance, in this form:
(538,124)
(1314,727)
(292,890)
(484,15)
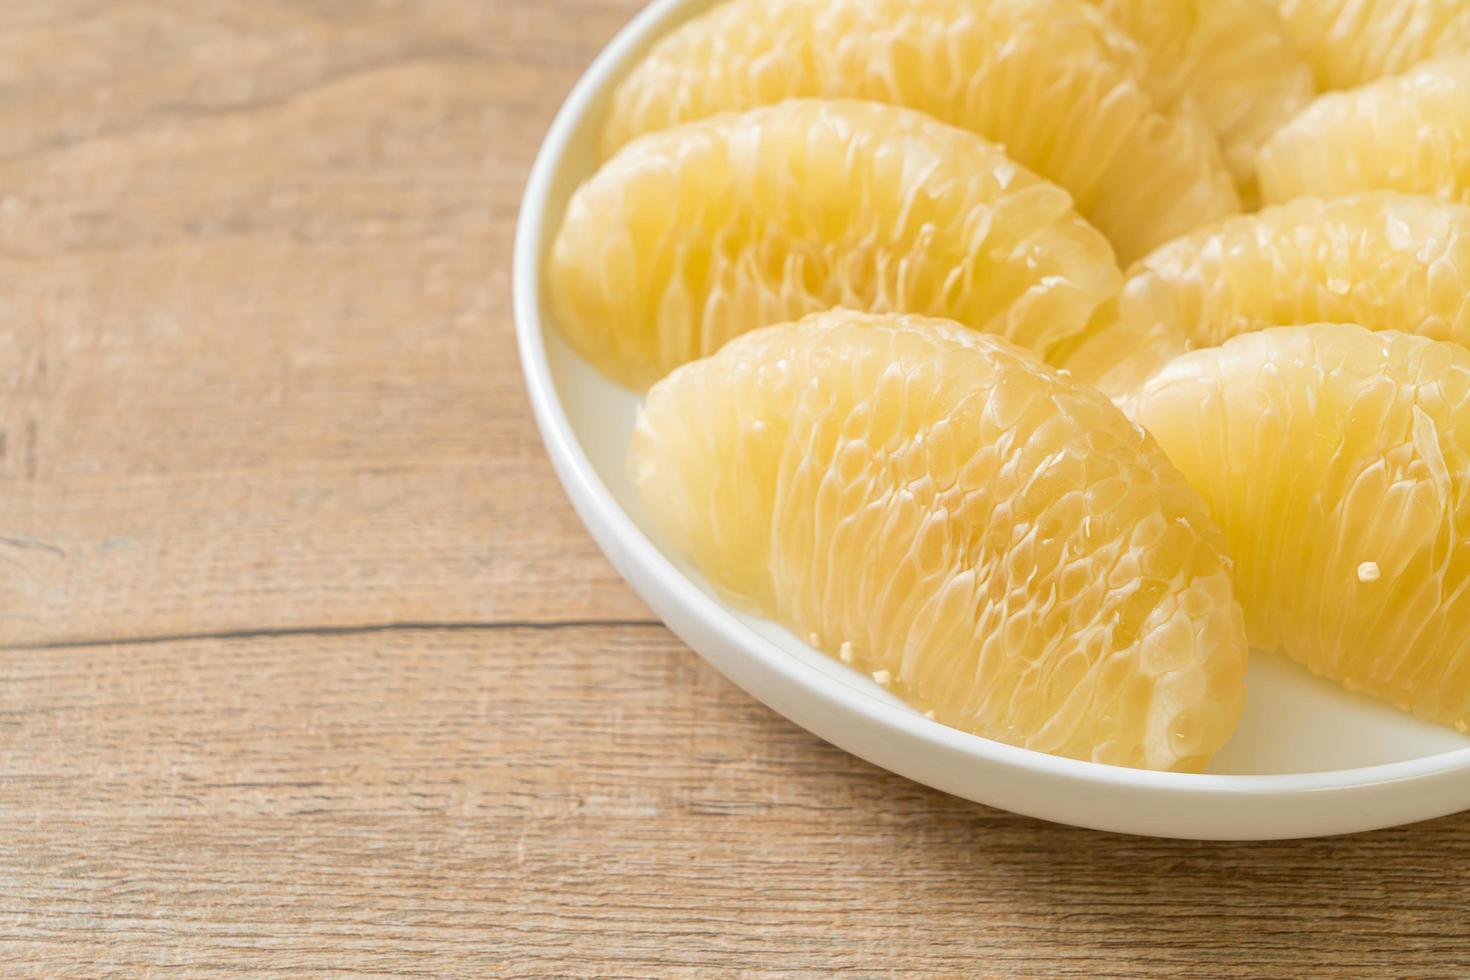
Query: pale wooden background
(307,665)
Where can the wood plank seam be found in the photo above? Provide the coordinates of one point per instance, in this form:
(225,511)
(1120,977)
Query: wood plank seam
(364,629)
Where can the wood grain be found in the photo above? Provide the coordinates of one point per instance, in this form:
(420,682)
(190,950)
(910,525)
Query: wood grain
(595,800)
(258,355)
(306,665)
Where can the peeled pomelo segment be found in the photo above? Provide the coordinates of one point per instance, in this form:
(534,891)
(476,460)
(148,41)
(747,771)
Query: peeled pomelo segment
(693,235)
(1353,42)
(1337,460)
(998,544)
(1230,60)
(1064,91)
(1408,133)
(1381,260)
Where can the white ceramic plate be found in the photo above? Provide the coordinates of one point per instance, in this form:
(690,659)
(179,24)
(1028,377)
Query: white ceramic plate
(1309,759)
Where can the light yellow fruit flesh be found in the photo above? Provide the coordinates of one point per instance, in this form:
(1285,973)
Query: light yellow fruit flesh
(1337,460)
(1381,260)
(693,235)
(1408,133)
(1051,80)
(1353,42)
(1232,60)
(933,503)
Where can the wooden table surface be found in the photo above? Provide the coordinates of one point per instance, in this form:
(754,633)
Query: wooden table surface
(306,664)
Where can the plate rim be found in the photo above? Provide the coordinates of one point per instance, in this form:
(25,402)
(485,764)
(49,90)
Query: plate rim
(630,551)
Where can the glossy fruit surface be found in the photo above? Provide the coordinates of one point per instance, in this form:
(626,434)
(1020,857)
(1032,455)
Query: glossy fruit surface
(1232,59)
(1068,94)
(994,542)
(1381,260)
(1337,460)
(693,235)
(1353,42)
(1409,133)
